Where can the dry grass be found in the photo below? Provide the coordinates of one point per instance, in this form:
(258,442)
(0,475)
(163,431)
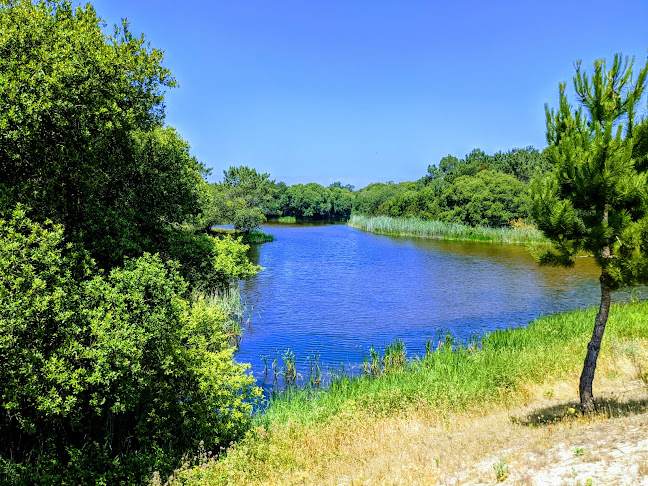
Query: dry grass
(540,440)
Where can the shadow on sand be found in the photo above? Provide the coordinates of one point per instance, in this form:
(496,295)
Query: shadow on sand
(605,407)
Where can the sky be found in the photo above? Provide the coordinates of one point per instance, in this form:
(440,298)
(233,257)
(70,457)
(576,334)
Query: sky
(363,91)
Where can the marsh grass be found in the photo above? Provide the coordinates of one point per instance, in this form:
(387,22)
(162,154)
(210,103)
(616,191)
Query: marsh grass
(384,225)
(285,219)
(251,237)
(456,398)
(235,311)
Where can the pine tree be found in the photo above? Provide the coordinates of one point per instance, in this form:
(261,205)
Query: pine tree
(594,200)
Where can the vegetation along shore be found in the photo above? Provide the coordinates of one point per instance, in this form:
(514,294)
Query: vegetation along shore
(511,386)
(384,225)
(120,317)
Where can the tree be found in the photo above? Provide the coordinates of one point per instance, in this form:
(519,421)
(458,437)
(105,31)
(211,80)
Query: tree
(594,199)
(249,196)
(71,102)
(523,164)
(82,140)
(488,198)
(110,361)
(309,201)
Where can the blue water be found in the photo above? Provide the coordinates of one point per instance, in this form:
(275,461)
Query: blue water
(333,291)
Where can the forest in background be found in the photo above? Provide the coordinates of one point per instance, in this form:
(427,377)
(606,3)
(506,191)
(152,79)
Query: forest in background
(477,190)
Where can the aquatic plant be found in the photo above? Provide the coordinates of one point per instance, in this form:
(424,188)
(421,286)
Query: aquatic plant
(385,225)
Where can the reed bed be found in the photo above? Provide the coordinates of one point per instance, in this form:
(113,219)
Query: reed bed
(385,225)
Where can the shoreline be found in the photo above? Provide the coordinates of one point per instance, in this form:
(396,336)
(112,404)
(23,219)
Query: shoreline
(517,384)
(389,226)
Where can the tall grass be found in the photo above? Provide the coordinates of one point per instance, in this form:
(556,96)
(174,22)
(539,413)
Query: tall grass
(461,376)
(451,381)
(285,219)
(231,306)
(385,225)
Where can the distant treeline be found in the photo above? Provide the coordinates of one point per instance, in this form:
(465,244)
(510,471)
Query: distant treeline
(479,189)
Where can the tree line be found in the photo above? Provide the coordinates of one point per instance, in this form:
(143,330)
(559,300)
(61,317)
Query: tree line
(479,189)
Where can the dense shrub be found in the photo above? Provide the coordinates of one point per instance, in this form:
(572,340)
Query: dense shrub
(106,375)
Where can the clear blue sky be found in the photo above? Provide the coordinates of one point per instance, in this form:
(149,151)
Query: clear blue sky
(366,91)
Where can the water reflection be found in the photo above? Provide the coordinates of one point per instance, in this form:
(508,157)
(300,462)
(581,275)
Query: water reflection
(333,291)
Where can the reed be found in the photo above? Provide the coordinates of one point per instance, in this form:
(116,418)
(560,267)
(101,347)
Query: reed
(285,219)
(385,225)
(235,312)
(256,237)
(309,430)
(461,376)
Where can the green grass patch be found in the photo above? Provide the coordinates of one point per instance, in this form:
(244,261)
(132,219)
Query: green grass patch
(285,219)
(251,237)
(385,225)
(496,370)
(459,376)
(257,237)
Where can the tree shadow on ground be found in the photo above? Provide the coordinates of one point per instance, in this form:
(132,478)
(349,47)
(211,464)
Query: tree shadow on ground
(567,411)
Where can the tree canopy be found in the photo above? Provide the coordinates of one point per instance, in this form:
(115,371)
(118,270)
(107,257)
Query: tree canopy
(113,360)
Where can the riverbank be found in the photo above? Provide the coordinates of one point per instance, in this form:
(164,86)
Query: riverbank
(385,225)
(497,401)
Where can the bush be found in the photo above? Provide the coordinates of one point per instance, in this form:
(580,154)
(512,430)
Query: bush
(106,375)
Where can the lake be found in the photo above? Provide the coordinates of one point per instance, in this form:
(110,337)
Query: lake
(333,291)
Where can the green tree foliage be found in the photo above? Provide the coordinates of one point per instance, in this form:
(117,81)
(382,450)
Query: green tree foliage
(308,201)
(105,375)
(342,198)
(369,200)
(248,196)
(594,199)
(523,164)
(488,198)
(82,140)
(314,201)
(109,367)
(71,104)
(479,189)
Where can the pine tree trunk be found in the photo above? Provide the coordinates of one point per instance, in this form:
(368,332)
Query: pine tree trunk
(594,346)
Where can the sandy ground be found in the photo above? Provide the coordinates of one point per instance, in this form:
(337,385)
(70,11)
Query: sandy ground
(611,452)
(544,443)
(560,448)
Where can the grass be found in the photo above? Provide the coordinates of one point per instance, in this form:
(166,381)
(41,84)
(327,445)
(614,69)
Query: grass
(231,305)
(251,237)
(385,225)
(285,219)
(257,237)
(360,427)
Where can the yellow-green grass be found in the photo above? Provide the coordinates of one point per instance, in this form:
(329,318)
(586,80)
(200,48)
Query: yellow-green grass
(385,225)
(251,237)
(285,219)
(311,436)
